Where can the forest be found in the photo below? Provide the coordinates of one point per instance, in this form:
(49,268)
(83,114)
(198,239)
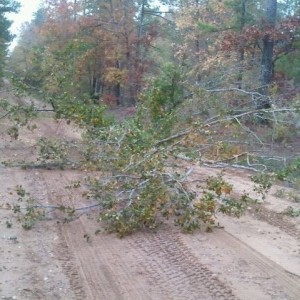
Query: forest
(157,84)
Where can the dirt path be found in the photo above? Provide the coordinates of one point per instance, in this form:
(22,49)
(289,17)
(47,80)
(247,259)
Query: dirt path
(254,257)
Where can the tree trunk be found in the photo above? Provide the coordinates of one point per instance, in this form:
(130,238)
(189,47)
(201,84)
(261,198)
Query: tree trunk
(267,67)
(140,30)
(241,47)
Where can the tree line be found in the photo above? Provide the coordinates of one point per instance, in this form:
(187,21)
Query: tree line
(108,51)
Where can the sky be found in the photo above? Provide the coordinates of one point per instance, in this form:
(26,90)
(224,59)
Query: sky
(28,7)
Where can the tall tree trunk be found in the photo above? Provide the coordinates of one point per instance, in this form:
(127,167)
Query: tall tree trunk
(117,87)
(131,64)
(267,67)
(197,42)
(241,48)
(140,29)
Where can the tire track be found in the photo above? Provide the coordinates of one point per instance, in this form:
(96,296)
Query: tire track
(70,268)
(289,284)
(62,251)
(38,274)
(275,219)
(175,271)
(108,268)
(98,268)
(142,266)
(251,274)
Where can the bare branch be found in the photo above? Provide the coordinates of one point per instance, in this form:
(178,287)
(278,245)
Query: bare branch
(248,130)
(175,136)
(2,117)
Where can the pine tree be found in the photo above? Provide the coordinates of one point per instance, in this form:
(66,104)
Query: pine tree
(6,6)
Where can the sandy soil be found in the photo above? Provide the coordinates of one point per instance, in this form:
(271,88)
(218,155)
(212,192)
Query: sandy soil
(256,256)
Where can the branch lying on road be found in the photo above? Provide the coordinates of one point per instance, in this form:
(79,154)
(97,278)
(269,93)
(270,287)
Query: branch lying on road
(4,116)
(44,110)
(49,165)
(55,207)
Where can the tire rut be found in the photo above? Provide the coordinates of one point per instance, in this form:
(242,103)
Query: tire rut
(62,251)
(277,220)
(70,269)
(108,268)
(149,266)
(175,271)
(289,283)
(98,269)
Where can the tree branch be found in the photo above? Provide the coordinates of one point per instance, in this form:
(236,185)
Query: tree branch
(175,136)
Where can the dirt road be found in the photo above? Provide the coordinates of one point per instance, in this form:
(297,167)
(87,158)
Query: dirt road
(256,256)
